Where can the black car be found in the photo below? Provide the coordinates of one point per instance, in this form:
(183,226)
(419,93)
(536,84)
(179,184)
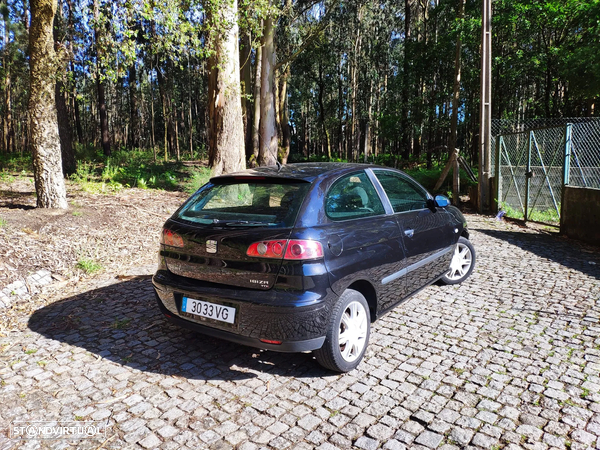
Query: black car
(304,257)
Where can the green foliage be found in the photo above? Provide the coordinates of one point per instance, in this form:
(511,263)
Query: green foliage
(86,176)
(3,222)
(84,172)
(535,215)
(135,169)
(88,265)
(198,178)
(110,171)
(88,152)
(14,162)
(352,68)
(429,177)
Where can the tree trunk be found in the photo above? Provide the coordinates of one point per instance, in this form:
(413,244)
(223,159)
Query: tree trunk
(404,123)
(284,111)
(152,118)
(133,108)
(64,128)
(355,136)
(104,132)
(368,149)
(340,128)
(176,136)
(246,77)
(257,102)
(268,123)
(8,136)
(190,122)
(76,113)
(162,89)
(321,85)
(302,144)
(64,124)
(226,127)
(45,140)
(455,101)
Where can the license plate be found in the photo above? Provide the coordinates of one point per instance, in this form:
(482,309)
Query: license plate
(208,310)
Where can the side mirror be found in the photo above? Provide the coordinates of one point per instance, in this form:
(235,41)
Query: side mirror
(442,201)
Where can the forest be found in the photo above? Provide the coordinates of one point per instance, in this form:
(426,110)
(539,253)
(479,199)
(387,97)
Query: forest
(350,80)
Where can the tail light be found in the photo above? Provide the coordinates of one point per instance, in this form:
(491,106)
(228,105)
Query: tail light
(170,238)
(267,249)
(290,249)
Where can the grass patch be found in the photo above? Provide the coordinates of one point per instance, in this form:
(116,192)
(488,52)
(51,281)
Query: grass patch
(30,351)
(584,393)
(198,178)
(88,265)
(535,215)
(98,174)
(3,222)
(120,324)
(6,176)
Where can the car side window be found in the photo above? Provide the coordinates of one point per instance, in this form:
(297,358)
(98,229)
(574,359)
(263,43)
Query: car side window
(351,197)
(402,193)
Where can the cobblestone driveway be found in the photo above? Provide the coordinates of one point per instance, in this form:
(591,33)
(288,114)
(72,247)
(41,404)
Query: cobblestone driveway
(510,359)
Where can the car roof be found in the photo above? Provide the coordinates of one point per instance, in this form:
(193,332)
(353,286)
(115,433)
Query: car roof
(307,172)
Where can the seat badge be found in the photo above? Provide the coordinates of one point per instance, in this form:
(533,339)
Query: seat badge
(211,246)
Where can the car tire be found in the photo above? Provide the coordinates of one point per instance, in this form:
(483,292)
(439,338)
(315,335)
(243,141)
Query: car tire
(462,264)
(348,334)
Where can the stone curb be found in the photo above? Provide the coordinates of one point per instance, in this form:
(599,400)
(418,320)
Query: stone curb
(24,289)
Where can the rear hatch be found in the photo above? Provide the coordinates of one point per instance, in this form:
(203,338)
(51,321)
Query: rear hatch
(210,237)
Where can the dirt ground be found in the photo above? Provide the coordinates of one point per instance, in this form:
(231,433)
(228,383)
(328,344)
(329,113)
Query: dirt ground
(113,231)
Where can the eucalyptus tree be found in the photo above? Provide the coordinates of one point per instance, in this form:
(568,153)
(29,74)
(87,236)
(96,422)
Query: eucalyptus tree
(45,141)
(226,129)
(269,142)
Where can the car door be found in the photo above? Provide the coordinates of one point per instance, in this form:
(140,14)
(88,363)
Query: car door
(427,234)
(363,242)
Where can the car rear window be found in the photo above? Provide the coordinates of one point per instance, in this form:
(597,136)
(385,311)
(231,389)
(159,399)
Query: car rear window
(247,203)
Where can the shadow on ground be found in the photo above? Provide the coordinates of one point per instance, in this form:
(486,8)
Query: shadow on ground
(122,323)
(567,252)
(13,199)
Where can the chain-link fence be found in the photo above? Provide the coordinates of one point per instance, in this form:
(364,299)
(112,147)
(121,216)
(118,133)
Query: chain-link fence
(535,163)
(585,155)
(531,173)
(585,139)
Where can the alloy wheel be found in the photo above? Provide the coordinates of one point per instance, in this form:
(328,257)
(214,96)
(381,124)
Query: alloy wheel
(461,262)
(353,332)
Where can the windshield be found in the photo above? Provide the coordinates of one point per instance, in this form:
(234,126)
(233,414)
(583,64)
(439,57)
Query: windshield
(246,204)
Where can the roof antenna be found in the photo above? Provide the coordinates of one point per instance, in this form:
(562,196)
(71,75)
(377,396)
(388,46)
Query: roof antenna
(279,166)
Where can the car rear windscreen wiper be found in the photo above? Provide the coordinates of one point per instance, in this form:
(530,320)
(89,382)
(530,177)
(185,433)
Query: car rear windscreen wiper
(249,223)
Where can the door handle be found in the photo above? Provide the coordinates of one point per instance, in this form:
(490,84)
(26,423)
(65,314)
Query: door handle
(409,233)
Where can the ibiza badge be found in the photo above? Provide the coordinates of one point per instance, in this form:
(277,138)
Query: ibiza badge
(211,246)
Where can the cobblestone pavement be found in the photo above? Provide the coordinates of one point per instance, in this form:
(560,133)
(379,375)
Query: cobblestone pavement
(509,359)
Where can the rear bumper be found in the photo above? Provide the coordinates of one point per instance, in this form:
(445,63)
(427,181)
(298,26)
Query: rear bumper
(291,347)
(298,319)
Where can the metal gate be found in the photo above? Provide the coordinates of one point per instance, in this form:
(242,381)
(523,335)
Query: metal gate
(531,171)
